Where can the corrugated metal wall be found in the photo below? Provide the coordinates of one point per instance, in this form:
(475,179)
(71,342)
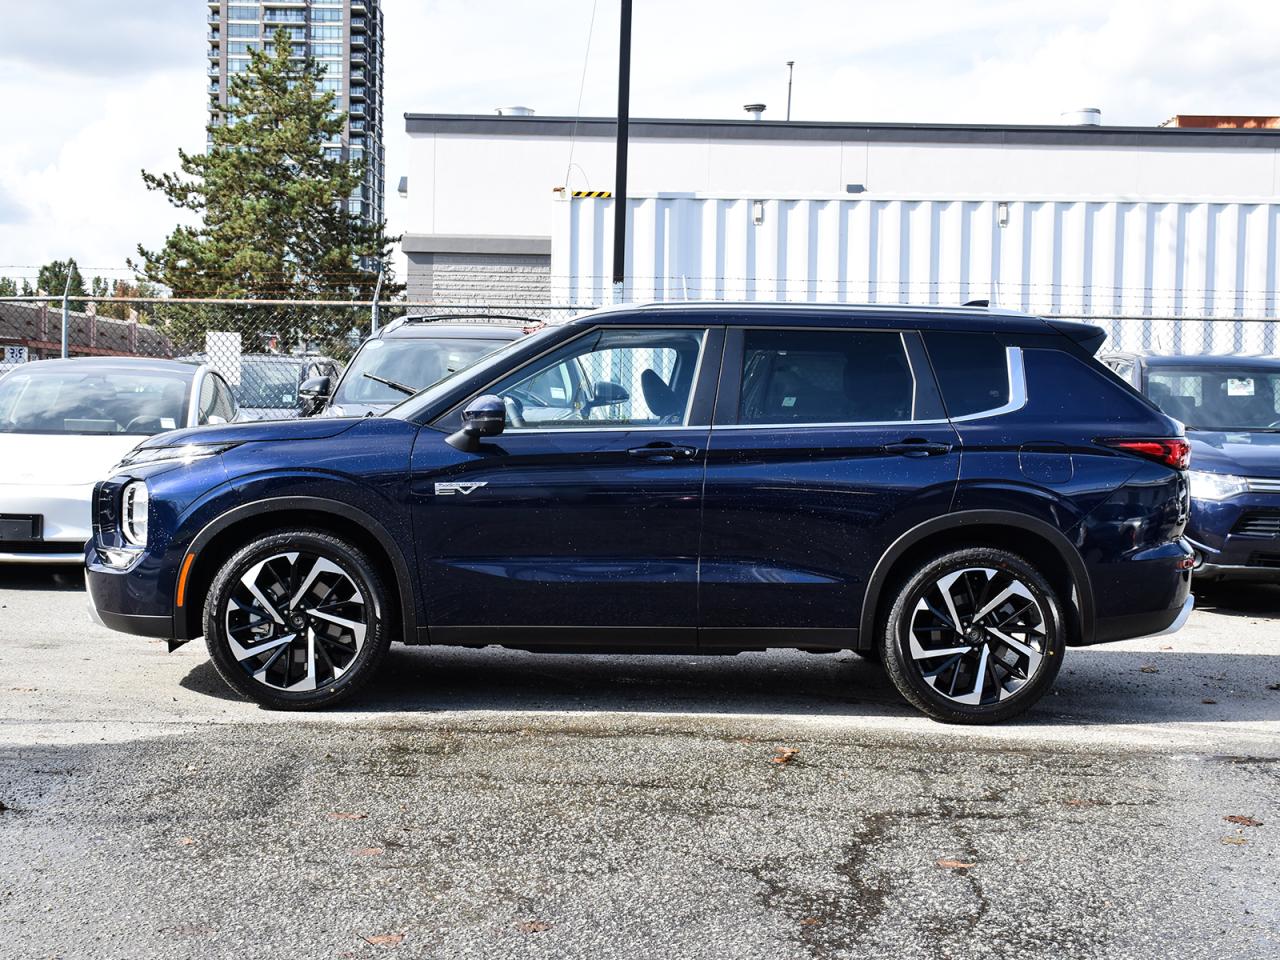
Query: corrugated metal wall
(1173,276)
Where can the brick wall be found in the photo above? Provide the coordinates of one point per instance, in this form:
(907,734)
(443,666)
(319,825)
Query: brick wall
(480,278)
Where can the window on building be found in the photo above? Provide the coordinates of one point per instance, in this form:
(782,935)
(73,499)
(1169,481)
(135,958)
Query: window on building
(320,13)
(326,31)
(825,376)
(972,370)
(242,13)
(242,30)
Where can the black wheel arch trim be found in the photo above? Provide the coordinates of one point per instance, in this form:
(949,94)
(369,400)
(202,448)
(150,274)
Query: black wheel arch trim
(872,599)
(400,566)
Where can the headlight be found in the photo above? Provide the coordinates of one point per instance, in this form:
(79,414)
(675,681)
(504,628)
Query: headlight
(134,505)
(1215,486)
(183,454)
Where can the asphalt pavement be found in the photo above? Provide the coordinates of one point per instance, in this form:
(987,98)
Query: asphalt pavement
(489,803)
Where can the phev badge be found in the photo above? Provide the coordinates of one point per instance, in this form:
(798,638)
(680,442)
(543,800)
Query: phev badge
(450,489)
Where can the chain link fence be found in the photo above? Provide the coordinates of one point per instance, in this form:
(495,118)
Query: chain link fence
(266,349)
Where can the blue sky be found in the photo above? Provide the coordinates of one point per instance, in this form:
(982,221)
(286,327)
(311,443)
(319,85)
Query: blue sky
(96,91)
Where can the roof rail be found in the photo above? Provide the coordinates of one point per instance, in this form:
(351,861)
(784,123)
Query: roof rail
(977,303)
(488,318)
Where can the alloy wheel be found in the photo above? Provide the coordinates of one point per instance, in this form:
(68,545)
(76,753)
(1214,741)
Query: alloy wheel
(296,621)
(977,636)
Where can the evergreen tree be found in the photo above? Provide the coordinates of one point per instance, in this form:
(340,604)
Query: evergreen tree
(8,288)
(52,280)
(272,196)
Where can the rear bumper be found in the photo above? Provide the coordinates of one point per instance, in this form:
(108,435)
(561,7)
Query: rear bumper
(1148,594)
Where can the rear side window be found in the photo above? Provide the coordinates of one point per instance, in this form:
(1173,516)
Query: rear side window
(972,371)
(825,376)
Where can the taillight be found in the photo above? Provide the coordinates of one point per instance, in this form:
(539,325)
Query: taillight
(1171,451)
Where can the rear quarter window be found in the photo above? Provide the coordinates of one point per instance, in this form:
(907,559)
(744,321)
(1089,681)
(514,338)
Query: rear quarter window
(972,371)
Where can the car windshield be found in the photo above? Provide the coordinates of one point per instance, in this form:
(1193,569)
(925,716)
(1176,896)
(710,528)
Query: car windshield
(268,383)
(411,362)
(1218,398)
(92,402)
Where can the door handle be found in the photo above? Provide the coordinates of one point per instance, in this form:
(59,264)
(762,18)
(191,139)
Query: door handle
(662,452)
(916,447)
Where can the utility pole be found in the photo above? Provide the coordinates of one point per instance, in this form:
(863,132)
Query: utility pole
(620,170)
(66,309)
(790,69)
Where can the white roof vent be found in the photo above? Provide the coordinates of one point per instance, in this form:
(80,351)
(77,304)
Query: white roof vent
(515,111)
(755,109)
(1084,117)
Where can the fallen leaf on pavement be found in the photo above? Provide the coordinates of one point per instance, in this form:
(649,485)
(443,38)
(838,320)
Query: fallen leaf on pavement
(1208,700)
(1082,803)
(784,755)
(337,815)
(3,806)
(368,852)
(1235,841)
(533,926)
(954,864)
(186,841)
(383,939)
(1242,820)
(1149,668)
(1273,686)
(810,922)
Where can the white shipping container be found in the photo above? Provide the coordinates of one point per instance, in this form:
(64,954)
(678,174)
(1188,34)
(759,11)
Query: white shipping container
(1178,275)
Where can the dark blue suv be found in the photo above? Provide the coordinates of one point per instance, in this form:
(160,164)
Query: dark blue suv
(1231,409)
(959,493)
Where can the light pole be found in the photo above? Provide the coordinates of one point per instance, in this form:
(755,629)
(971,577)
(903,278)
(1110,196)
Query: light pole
(790,69)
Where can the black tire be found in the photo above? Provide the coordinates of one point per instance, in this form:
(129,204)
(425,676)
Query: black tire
(336,660)
(921,620)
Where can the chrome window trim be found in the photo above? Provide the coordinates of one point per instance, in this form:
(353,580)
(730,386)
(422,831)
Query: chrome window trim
(1017,389)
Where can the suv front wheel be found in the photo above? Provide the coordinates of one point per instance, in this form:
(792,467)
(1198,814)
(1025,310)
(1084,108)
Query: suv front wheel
(974,636)
(295,620)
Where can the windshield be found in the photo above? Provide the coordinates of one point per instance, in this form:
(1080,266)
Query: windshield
(1218,398)
(268,383)
(92,402)
(411,362)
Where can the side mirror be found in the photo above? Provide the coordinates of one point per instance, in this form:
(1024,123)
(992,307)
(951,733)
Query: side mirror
(606,393)
(312,394)
(483,417)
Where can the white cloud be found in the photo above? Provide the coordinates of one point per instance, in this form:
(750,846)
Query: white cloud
(106,89)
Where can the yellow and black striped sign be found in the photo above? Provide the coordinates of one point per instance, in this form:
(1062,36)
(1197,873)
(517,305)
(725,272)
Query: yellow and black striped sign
(593,194)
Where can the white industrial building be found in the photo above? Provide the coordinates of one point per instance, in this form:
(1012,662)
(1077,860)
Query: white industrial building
(1164,223)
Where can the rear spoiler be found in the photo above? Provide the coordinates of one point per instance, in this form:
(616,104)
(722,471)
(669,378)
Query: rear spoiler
(1087,335)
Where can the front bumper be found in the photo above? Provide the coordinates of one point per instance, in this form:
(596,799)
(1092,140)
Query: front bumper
(65,527)
(108,592)
(1222,553)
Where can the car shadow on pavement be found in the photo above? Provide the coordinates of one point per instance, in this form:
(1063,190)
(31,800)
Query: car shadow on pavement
(1239,599)
(1098,685)
(68,577)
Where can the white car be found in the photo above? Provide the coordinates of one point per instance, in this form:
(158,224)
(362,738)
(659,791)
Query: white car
(65,423)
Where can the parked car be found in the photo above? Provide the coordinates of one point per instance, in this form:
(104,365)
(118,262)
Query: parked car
(65,423)
(408,354)
(270,384)
(1231,408)
(961,492)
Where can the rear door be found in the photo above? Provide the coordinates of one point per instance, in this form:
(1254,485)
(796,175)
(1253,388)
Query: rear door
(579,523)
(827,445)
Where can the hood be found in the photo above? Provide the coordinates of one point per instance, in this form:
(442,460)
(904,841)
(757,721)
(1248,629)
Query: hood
(1247,454)
(61,459)
(311,428)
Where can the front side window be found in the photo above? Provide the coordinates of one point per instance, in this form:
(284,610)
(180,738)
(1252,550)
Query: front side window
(1218,398)
(615,378)
(825,376)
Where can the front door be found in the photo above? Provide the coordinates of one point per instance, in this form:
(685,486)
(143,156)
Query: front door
(827,445)
(579,523)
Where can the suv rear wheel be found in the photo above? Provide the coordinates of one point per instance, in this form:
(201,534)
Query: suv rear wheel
(974,636)
(295,620)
